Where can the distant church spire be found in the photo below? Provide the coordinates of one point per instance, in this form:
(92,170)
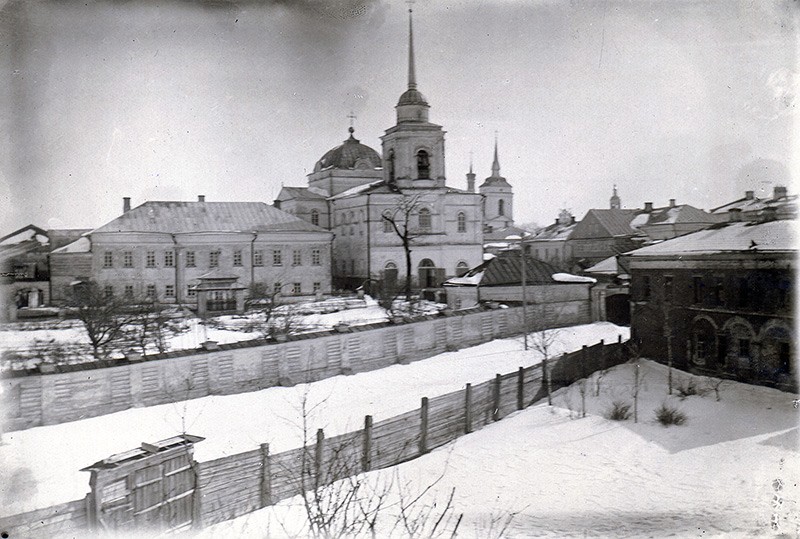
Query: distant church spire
(496,162)
(615,202)
(470,176)
(412,106)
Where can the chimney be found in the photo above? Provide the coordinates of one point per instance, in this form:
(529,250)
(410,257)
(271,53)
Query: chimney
(779,191)
(748,195)
(648,207)
(201,198)
(126,204)
(672,203)
(734,215)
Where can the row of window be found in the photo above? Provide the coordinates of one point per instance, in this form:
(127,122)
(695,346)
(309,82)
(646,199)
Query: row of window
(151,290)
(355,265)
(424,220)
(740,291)
(213,258)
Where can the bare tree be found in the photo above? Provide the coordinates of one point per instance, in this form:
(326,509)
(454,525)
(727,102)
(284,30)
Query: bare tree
(400,220)
(151,326)
(635,356)
(103,317)
(274,317)
(543,342)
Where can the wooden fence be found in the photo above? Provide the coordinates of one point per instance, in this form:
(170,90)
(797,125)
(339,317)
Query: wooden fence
(32,398)
(235,485)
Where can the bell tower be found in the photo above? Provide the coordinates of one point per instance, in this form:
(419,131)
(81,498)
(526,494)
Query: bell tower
(413,149)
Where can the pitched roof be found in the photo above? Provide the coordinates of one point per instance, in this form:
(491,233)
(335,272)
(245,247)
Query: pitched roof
(506,269)
(771,236)
(683,213)
(183,217)
(615,222)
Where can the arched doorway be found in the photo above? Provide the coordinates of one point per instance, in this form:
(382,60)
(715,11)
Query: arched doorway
(775,358)
(618,309)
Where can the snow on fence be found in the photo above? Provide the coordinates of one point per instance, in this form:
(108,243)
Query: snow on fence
(232,486)
(32,398)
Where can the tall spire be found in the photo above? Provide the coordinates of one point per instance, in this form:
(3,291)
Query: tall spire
(496,162)
(412,75)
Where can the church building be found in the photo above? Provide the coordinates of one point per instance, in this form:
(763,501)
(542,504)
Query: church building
(372,201)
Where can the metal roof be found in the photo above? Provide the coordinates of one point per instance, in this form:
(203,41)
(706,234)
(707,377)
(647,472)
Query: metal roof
(765,237)
(184,217)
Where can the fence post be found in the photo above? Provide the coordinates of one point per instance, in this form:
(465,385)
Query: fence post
(318,448)
(520,387)
(423,426)
(496,404)
(468,409)
(367,457)
(602,355)
(266,476)
(584,355)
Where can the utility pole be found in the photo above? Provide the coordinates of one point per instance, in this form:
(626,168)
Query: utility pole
(524,290)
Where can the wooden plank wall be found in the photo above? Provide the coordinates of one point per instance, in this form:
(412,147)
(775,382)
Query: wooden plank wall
(99,388)
(238,484)
(63,520)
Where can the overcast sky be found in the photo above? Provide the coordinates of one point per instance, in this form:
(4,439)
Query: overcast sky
(164,101)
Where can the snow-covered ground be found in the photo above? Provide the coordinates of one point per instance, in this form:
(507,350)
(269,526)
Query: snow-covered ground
(40,466)
(306,317)
(732,470)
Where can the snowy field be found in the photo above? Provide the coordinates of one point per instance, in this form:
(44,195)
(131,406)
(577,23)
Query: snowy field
(307,317)
(40,467)
(732,470)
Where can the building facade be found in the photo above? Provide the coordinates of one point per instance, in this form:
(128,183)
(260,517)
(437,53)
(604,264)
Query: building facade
(162,250)
(720,301)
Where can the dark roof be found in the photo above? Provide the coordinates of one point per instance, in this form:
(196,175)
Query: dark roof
(183,217)
(350,155)
(412,96)
(506,269)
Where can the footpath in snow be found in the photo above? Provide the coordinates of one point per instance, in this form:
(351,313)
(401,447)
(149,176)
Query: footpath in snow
(40,467)
(731,470)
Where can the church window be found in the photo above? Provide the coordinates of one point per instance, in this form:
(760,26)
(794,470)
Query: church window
(151,259)
(315,257)
(169,259)
(237,258)
(213,259)
(277,257)
(127,259)
(461,268)
(387,224)
(425,219)
(258,258)
(108,259)
(352,217)
(462,222)
(423,165)
(390,166)
(315,217)
(190,260)
(390,266)
(501,207)
(297,258)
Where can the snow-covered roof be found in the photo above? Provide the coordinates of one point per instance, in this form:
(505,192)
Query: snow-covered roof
(466,280)
(356,190)
(771,236)
(81,245)
(570,278)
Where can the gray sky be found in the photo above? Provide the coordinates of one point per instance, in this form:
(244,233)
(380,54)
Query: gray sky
(668,99)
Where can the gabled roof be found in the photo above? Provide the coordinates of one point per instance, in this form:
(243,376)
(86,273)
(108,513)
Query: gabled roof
(766,237)
(25,233)
(614,222)
(683,213)
(185,217)
(555,232)
(505,269)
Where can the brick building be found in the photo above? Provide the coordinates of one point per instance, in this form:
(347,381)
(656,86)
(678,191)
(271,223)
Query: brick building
(720,300)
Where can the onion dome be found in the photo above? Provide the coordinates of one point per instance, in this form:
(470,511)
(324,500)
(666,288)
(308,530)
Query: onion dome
(350,155)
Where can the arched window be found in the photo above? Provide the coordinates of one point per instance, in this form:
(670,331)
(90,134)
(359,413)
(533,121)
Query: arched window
(461,268)
(427,273)
(352,217)
(424,219)
(462,222)
(315,217)
(387,225)
(501,207)
(390,265)
(423,165)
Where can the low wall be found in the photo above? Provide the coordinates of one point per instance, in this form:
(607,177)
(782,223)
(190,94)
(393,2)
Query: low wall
(91,389)
(237,484)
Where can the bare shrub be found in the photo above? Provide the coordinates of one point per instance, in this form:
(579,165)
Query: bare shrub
(687,389)
(715,385)
(619,411)
(669,415)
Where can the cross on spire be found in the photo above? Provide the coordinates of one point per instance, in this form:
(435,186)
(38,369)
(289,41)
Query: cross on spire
(352,118)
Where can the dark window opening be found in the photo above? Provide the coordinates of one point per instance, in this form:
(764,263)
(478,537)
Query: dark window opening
(423,165)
